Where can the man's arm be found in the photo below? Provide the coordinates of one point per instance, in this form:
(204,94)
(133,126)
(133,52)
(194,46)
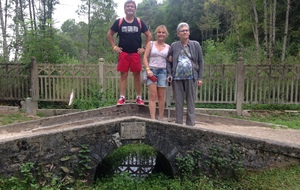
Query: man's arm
(148,37)
(110,37)
(170,61)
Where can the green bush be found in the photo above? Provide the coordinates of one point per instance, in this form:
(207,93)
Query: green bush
(121,153)
(269,179)
(97,99)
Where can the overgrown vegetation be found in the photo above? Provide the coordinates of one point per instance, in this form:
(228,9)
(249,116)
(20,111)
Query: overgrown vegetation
(142,150)
(84,162)
(214,165)
(23,181)
(194,179)
(96,99)
(274,179)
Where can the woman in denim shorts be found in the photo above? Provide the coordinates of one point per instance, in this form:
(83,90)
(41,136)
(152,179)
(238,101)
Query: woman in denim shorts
(155,62)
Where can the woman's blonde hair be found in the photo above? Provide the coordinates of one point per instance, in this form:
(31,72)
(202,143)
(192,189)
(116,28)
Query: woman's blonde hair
(161,27)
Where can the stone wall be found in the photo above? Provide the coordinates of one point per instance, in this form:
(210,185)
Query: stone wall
(58,150)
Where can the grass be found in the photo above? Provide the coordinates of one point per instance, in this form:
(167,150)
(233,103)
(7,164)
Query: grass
(274,179)
(6,119)
(287,178)
(290,119)
(286,114)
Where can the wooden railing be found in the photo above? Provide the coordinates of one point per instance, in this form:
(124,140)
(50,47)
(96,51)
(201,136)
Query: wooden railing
(14,81)
(236,83)
(57,81)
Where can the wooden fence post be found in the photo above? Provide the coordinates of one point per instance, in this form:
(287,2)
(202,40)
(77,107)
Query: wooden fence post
(101,74)
(32,103)
(34,83)
(240,74)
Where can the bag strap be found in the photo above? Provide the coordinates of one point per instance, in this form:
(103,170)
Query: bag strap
(138,19)
(140,23)
(186,53)
(191,59)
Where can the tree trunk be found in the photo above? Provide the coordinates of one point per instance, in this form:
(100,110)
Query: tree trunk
(16,22)
(33,15)
(30,13)
(266,28)
(3,23)
(255,29)
(50,11)
(286,29)
(22,16)
(270,32)
(272,29)
(274,24)
(89,30)
(44,15)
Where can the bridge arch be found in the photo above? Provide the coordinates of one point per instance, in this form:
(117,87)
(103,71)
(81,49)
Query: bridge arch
(115,136)
(54,143)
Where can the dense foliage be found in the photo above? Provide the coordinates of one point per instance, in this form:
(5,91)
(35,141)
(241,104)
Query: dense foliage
(267,29)
(283,178)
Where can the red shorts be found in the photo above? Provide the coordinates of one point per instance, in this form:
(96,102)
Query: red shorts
(129,61)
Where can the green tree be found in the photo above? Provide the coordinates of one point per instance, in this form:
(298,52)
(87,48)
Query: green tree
(172,12)
(67,46)
(43,45)
(147,12)
(99,13)
(45,12)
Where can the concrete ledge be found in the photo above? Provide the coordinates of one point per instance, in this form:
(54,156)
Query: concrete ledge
(9,109)
(223,112)
(54,112)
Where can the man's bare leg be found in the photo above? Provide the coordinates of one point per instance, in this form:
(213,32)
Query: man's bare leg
(138,87)
(123,81)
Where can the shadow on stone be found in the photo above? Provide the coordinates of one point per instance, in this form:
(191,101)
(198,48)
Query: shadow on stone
(162,166)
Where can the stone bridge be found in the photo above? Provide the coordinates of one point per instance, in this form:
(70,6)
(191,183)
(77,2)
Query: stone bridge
(54,143)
